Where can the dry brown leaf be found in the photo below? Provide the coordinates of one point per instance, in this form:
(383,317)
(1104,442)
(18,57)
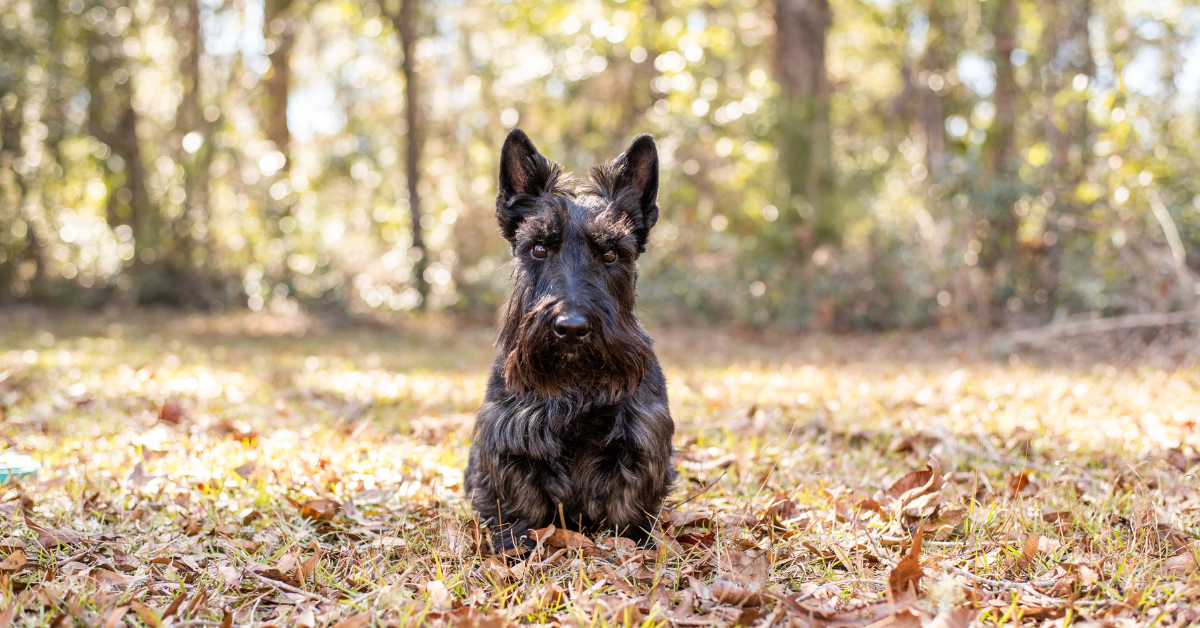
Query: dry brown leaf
(705,540)
(247,545)
(50,538)
(907,573)
(558,537)
(124,562)
(173,607)
(1029,554)
(109,578)
(230,575)
(113,619)
(318,509)
(687,606)
(467,617)
(1019,485)
(15,561)
(752,565)
(171,413)
(357,620)
(438,595)
(10,545)
(926,482)
(227,620)
(1181,565)
(954,618)
(246,469)
(738,594)
(677,520)
(145,614)
(309,566)
(904,618)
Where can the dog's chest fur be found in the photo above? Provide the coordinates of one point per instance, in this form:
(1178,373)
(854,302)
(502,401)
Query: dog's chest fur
(604,462)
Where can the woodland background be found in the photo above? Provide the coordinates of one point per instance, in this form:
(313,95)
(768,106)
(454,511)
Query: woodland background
(833,165)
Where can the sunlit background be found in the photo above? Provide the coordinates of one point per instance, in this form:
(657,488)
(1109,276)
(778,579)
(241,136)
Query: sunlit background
(841,165)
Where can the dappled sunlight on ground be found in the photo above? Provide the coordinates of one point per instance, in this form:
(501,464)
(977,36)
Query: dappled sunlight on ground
(222,440)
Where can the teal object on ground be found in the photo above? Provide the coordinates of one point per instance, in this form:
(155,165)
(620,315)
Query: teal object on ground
(18,466)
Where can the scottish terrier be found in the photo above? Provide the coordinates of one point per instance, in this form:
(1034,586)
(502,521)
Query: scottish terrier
(574,428)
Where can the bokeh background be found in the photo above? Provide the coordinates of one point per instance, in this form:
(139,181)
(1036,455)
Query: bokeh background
(841,164)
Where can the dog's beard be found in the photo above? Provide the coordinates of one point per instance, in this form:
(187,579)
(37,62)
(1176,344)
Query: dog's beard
(613,361)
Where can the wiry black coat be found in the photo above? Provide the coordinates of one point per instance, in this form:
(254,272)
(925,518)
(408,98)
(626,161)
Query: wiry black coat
(574,420)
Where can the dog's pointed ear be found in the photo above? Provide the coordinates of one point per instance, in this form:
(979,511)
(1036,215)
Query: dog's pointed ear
(637,175)
(524,175)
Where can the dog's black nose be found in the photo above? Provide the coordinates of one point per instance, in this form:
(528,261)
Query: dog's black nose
(572,327)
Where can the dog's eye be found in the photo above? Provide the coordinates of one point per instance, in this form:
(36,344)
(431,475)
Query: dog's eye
(539,251)
(610,256)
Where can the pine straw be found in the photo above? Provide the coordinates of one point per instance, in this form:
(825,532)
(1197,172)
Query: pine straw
(248,471)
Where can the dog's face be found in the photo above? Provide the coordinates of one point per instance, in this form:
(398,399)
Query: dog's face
(570,320)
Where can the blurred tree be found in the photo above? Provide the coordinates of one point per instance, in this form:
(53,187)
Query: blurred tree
(404,20)
(803,122)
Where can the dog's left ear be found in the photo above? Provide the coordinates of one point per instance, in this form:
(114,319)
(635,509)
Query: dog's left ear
(637,175)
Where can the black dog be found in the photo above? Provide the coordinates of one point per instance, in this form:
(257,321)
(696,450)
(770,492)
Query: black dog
(575,423)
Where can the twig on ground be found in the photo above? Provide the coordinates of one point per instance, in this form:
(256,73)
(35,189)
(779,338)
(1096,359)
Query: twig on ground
(837,583)
(286,587)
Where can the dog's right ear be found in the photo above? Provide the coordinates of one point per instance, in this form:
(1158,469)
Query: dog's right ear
(524,175)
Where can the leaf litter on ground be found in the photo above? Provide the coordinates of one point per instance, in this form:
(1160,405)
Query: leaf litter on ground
(195,474)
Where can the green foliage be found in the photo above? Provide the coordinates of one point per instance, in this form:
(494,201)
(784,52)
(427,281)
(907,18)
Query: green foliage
(126,173)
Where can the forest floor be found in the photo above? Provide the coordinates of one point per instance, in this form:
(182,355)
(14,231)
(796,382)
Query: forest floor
(252,470)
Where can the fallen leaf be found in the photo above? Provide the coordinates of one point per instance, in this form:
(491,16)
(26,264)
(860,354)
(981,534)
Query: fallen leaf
(137,476)
(50,538)
(467,617)
(357,620)
(318,509)
(15,561)
(173,607)
(954,618)
(1181,565)
(678,520)
(1019,485)
(705,540)
(438,595)
(1029,554)
(124,562)
(230,575)
(687,606)
(904,618)
(171,413)
(907,573)
(246,469)
(10,545)
(738,594)
(109,578)
(113,619)
(558,537)
(914,484)
(145,614)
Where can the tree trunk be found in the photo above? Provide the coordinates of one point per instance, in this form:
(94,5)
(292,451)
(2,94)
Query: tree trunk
(277,29)
(404,22)
(800,27)
(999,251)
(191,119)
(1056,139)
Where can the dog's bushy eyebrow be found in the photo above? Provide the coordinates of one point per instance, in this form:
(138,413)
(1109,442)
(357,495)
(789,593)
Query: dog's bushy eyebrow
(547,224)
(608,227)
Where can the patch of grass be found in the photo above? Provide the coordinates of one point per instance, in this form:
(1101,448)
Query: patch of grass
(197,455)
